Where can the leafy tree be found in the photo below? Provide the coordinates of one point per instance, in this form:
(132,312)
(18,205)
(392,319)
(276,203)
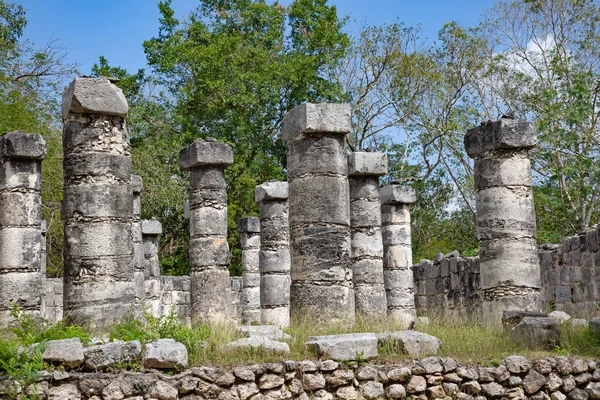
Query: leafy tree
(31,80)
(546,68)
(232,70)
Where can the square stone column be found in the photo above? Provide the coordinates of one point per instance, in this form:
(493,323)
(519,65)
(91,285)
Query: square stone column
(97,208)
(275,277)
(364,170)
(21,240)
(249,229)
(136,238)
(209,250)
(397,252)
(506,228)
(319,212)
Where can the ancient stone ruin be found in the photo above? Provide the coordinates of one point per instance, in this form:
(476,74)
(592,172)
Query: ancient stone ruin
(329,244)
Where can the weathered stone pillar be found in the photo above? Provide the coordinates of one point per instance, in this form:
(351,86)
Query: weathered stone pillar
(364,170)
(97,208)
(151,229)
(209,251)
(21,223)
(397,252)
(319,212)
(136,238)
(275,277)
(510,271)
(249,229)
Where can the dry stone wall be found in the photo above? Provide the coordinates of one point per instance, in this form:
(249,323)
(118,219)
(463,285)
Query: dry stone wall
(571,273)
(515,377)
(448,286)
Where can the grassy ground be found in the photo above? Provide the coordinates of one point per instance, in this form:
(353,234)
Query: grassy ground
(462,340)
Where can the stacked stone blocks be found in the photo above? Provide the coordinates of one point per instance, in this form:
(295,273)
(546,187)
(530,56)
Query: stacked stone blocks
(448,286)
(249,229)
(209,250)
(510,272)
(274,259)
(319,212)
(364,170)
(21,241)
(97,207)
(397,251)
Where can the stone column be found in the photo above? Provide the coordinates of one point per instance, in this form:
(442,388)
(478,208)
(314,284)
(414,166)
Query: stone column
(275,277)
(397,252)
(151,229)
(364,170)
(209,251)
(97,208)
(510,271)
(21,155)
(136,238)
(249,229)
(319,212)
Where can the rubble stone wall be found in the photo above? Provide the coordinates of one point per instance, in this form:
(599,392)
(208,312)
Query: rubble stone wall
(514,378)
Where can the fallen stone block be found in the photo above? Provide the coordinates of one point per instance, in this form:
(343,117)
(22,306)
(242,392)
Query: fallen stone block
(559,316)
(345,347)
(165,354)
(66,352)
(264,331)
(510,319)
(261,342)
(415,344)
(537,332)
(106,355)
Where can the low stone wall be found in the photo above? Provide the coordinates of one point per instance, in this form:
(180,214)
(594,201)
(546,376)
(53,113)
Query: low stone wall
(448,286)
(169,292)
(571,273)
(514,378)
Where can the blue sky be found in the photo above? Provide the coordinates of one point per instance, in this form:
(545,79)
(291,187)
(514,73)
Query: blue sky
(117,29)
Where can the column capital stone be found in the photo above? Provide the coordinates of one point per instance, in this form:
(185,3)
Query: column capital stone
(316,118)
(503,134)
(205,153)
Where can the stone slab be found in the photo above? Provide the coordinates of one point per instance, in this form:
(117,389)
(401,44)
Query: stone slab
(316,118)
(345,347)
(205,152)
(503,134)
(18,144)
(273,190)
(94,96)
(367,163)
(397,194)
(151,227)
(249,225)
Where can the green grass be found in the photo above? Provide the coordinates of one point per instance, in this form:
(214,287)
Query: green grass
(463,340)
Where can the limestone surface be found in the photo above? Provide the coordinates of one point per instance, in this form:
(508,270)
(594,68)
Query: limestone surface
(364,169)
(97,206)
(164,354)
(249,229)
(319,212)
(106,355)
(397,252)
(274,255)
(22,269)
(345,347)
(509,264)
(209,252)
(537,332)
(415,344)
